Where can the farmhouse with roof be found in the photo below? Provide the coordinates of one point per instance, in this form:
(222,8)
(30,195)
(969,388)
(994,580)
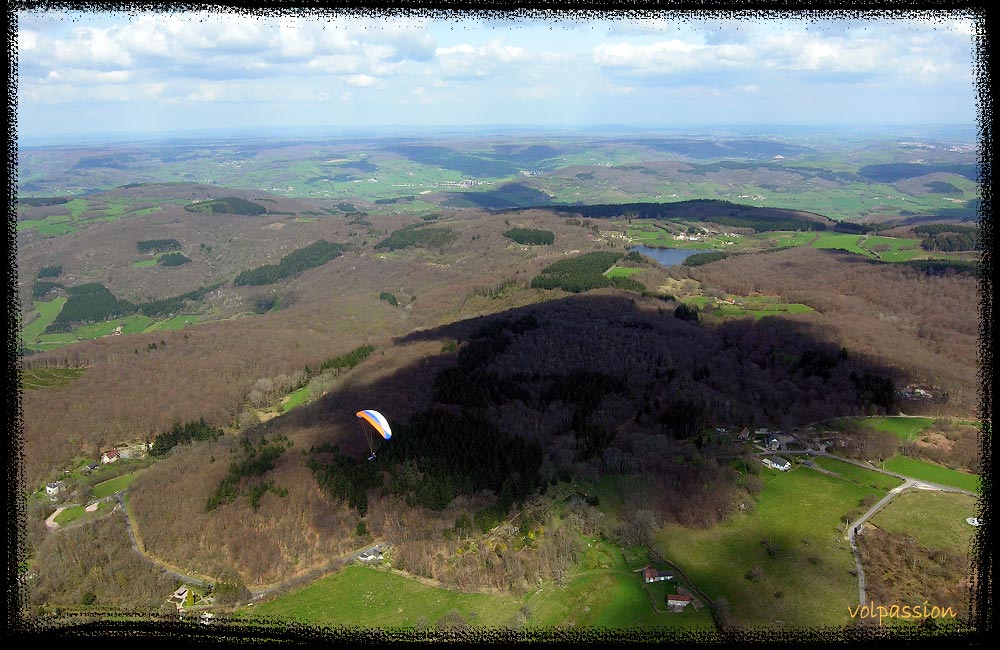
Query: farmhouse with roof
(677,602)
(110,456)
(650,574)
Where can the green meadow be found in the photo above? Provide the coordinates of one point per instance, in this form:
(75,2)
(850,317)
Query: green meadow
(859,475)
(900,249)
(905,428)
(177,322)
(937,520)
(111,486)
(295,398)
(47,312)
(841,241)
(621,272)
(73,513)
(83,212)
(927,471)
(807,580)
(605,591)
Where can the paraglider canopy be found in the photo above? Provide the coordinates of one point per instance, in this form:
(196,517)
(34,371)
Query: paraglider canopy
(379,425)
(378,421)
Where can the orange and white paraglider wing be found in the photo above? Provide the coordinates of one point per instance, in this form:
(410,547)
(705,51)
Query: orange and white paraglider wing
(378,421)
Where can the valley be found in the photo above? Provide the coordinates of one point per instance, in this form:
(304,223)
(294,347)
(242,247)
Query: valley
(567,411)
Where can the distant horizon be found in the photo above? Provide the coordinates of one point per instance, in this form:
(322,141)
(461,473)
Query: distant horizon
(887,130)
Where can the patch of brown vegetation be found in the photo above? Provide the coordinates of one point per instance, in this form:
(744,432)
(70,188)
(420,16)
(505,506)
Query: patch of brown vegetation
(899,571)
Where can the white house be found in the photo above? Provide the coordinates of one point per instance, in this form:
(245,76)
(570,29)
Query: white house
(779,464)
(110,456)
(52,489)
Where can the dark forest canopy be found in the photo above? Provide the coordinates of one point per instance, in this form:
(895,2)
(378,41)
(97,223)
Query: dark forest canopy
(704,210)
(530,236)
(891,172)
(227,205)
(173,259)
(411,236)
(316,254)
(157,245)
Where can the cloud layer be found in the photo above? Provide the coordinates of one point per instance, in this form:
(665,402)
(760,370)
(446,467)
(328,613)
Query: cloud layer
(370,71)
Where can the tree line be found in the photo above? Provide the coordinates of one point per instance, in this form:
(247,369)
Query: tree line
(316,254)
(227,205)
(158,245)
(183,434)
(414,235)
(531,236)
(702,210)
(948,237)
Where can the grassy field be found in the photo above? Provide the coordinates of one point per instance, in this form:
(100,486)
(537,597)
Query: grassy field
(932,472)
(621,272)
(605,591)
(34,379)
(109,487)
(177,322)
(937,520)
(900,249)
(73,513)
(905,428)
(295,398)
(47,312)
(859,475)
(841,241)
(83,212)
(34,338)
(808,581)
(129,325)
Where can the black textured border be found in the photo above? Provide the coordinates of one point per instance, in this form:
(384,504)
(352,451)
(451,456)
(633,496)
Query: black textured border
(975,630)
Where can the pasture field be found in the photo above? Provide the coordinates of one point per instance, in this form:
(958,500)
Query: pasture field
(48,377)
(34,338)
(73,513)
(859,475)
(297,397)
(905,428)
(900,249)
(109,487)
(808,580)
(932,472)
(47,312)
(83,212)
(841,241)
(621,272)
(605,591)
(129,325)
(177,322)
(937,520)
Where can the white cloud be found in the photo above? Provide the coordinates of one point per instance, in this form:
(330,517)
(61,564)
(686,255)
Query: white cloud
(670,56)
(94,46)
(467,61)
(361,80)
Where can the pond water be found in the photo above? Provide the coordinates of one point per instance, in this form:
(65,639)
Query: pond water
(667,256)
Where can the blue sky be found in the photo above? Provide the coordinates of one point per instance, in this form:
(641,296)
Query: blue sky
(146,73)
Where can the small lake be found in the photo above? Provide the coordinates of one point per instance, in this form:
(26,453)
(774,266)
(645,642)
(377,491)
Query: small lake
(668,256)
